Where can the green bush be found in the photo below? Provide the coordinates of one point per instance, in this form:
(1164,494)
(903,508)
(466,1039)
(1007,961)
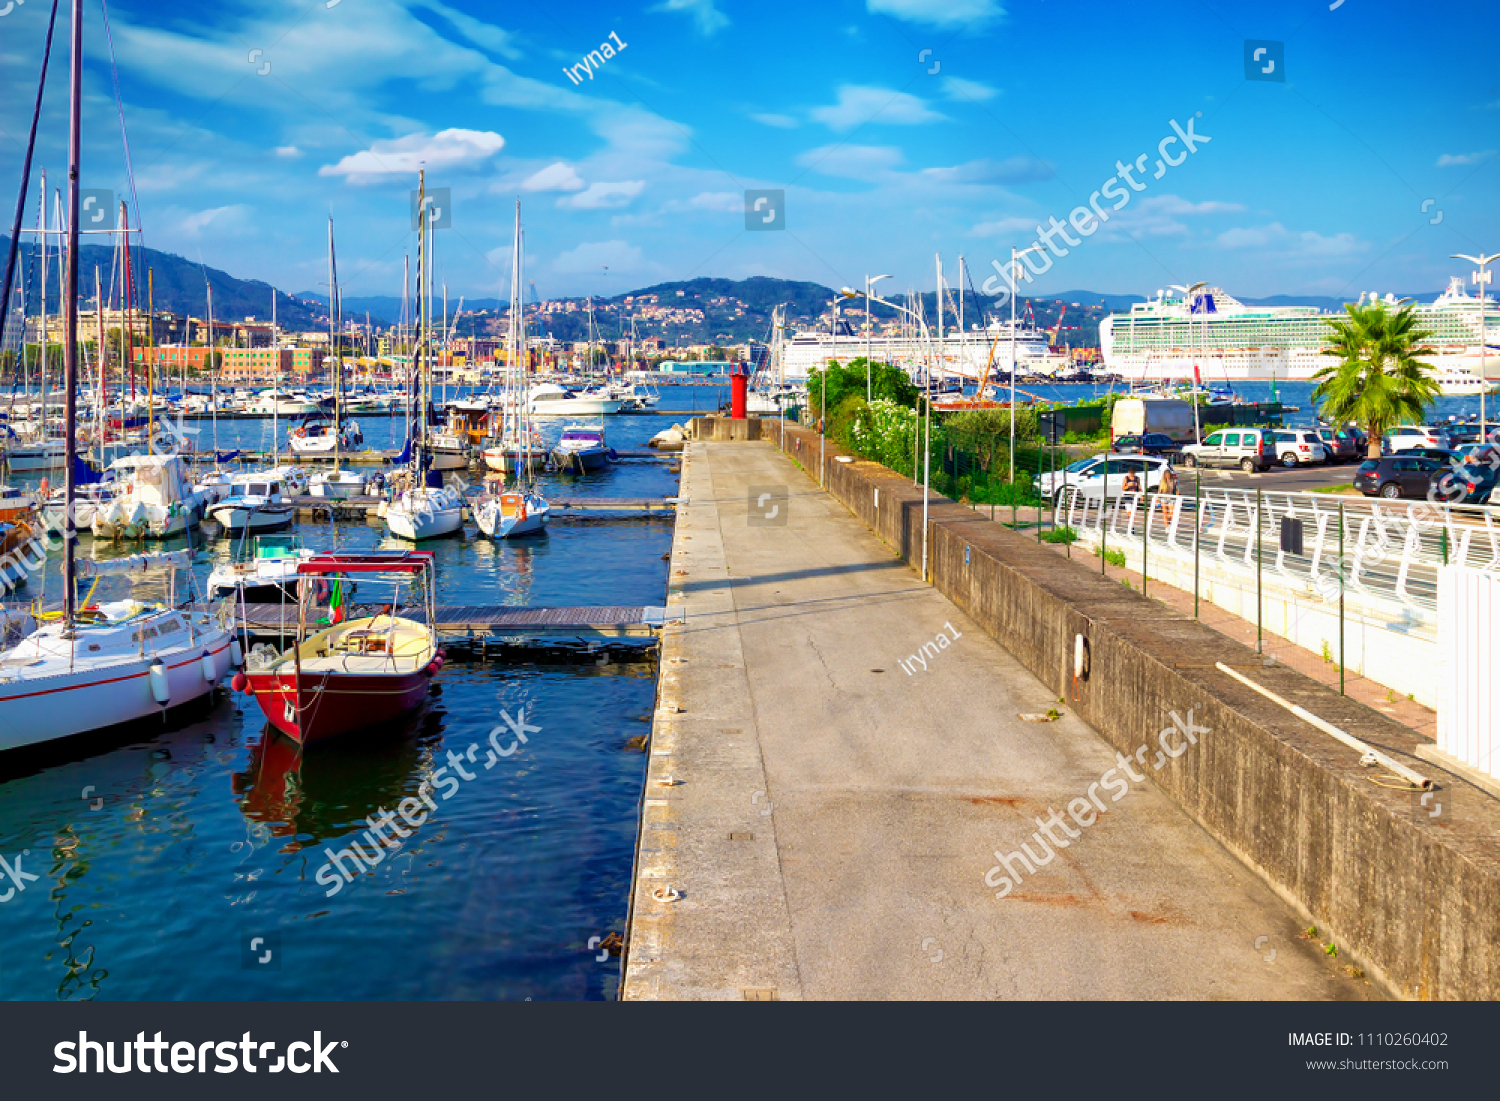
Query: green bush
(1061,534)
(1113,557)
(887,382)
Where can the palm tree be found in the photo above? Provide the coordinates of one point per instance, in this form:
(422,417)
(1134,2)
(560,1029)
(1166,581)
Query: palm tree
(1378,382)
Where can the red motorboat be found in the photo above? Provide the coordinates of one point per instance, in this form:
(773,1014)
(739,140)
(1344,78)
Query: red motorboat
(344,674)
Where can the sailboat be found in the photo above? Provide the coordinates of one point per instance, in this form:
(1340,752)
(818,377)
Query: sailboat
(322,436)
(106,664)
(425,508)
(504,514)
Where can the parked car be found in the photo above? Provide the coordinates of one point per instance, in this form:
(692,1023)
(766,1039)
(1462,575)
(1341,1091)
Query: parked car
(1467,484)
(1459,434)
(1486,454)
(1152,443)
(1445,455)
(1247,448)
(1300,447)
(1397,476)
(1093,480)
(1405,436)
(1344,444)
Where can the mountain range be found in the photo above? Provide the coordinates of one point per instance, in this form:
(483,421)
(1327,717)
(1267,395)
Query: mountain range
(696,311)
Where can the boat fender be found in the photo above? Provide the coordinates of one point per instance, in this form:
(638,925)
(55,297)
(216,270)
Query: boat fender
(161,689)
(613,456)
(236,656)
(240,683)
(210,674)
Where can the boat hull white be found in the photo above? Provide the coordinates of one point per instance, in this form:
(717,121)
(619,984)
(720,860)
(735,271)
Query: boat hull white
(44,709)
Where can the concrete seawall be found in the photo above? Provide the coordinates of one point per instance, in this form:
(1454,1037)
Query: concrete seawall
(1411,889)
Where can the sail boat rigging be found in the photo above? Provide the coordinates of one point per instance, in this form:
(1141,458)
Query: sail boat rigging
(523,511)
(94,668)
(424,508)
(317,435)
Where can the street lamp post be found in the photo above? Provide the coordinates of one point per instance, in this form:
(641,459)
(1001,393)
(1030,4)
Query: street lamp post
(1481,277)
(1188,293)
(849,292)
(1014,257)
(870,281)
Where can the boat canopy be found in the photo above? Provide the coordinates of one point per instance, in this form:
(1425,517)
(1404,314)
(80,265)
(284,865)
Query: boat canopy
(135,563)
(370,562)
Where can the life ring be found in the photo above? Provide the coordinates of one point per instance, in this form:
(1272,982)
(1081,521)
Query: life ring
(300,433)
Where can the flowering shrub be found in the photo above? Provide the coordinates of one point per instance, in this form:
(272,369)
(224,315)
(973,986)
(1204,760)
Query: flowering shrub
(887,433)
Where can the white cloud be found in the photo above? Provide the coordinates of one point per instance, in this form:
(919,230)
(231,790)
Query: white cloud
(1003,226)
(956,87)
(708,18)
(1176,204)
(859,104)
(193,223)
(784,122)
(858,162)
(288,151)
(1290,243)
(403,156)
(1011,170)
(719,202)
(940,13)
(604,195)
(1448,160)
(555,177)
(591,256)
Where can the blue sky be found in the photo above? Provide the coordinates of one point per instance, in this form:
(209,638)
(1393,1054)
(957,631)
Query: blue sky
(899,129)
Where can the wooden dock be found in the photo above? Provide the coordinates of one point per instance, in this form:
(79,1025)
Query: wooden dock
(386,457)
(366,508)
(489,622)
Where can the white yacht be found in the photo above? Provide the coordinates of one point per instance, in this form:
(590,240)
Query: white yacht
(256,502)
(548,399)
(154,498)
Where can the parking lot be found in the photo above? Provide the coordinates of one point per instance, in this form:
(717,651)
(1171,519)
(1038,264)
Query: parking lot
(1302,479)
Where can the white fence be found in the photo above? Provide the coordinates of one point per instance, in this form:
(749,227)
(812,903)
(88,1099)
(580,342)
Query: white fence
(1384,559)
(1468,711)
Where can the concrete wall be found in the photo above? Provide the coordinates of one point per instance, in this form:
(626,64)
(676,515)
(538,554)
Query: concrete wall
(1413,896)
(1394,651)
(724,428)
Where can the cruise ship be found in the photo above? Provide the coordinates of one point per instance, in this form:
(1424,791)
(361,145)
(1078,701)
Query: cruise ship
(1162,339)
(963,354)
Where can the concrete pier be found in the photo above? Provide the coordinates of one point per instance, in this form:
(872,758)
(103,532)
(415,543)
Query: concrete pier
(822,814)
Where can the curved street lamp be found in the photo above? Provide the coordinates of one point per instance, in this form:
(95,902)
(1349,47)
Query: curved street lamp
(870,281)
(1481,277)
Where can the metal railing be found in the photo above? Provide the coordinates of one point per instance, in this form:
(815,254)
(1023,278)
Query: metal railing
(1381,551)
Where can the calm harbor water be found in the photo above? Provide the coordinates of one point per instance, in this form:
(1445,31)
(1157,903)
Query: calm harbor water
(164,853)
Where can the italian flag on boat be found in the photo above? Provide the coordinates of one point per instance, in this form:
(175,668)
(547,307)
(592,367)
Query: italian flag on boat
(335,601)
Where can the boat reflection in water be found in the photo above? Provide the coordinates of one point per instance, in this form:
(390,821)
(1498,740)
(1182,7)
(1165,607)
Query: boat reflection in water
(307,798)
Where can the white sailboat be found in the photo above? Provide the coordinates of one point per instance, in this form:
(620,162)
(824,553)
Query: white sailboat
(524,511)
(92,669)
(422,510)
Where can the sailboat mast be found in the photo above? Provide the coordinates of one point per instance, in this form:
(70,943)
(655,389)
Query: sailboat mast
(43,368)
(70,308)
(338,423)
(420,362)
